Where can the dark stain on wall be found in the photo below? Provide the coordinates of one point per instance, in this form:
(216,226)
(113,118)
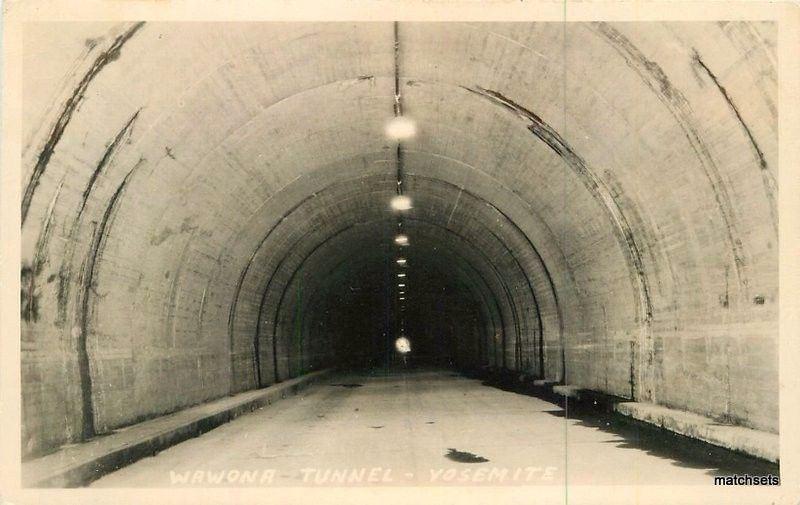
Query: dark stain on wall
(29,302)
(62,295)
(632,369)
(187,226)
(91,43)
(724,300)
(70,106)
(29,299)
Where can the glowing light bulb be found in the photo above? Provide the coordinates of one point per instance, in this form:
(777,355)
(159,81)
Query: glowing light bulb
(401,275)
(401,239)
(403,345)
(401,261)
(400,202)
(400,128)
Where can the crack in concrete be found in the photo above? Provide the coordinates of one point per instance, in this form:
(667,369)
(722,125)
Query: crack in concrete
(108,155)
(769,181)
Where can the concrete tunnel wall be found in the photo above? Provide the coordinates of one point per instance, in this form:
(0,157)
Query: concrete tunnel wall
(601,196)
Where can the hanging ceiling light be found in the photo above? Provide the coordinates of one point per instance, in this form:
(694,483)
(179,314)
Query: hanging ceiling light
(400,202)
(400,128)
(401,239)
(401,261)
(402,345)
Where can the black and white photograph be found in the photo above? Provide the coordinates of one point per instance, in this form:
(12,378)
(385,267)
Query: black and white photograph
(381,254)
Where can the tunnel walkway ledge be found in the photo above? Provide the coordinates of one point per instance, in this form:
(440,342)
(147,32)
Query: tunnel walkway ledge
(760,444)
(79,464)
(757,443)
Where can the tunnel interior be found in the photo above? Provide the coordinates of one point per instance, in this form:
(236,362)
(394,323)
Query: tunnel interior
(355,290)
(207,211)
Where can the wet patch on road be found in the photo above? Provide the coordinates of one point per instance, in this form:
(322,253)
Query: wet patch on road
(464,457)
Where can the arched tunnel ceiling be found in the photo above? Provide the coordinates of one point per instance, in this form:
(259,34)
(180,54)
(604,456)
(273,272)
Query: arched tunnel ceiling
(189,171)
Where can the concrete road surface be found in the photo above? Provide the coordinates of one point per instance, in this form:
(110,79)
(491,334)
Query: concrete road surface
(423,427)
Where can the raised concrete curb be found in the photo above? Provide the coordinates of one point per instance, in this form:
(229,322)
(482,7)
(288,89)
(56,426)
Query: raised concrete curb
(78,465)
(756,443)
